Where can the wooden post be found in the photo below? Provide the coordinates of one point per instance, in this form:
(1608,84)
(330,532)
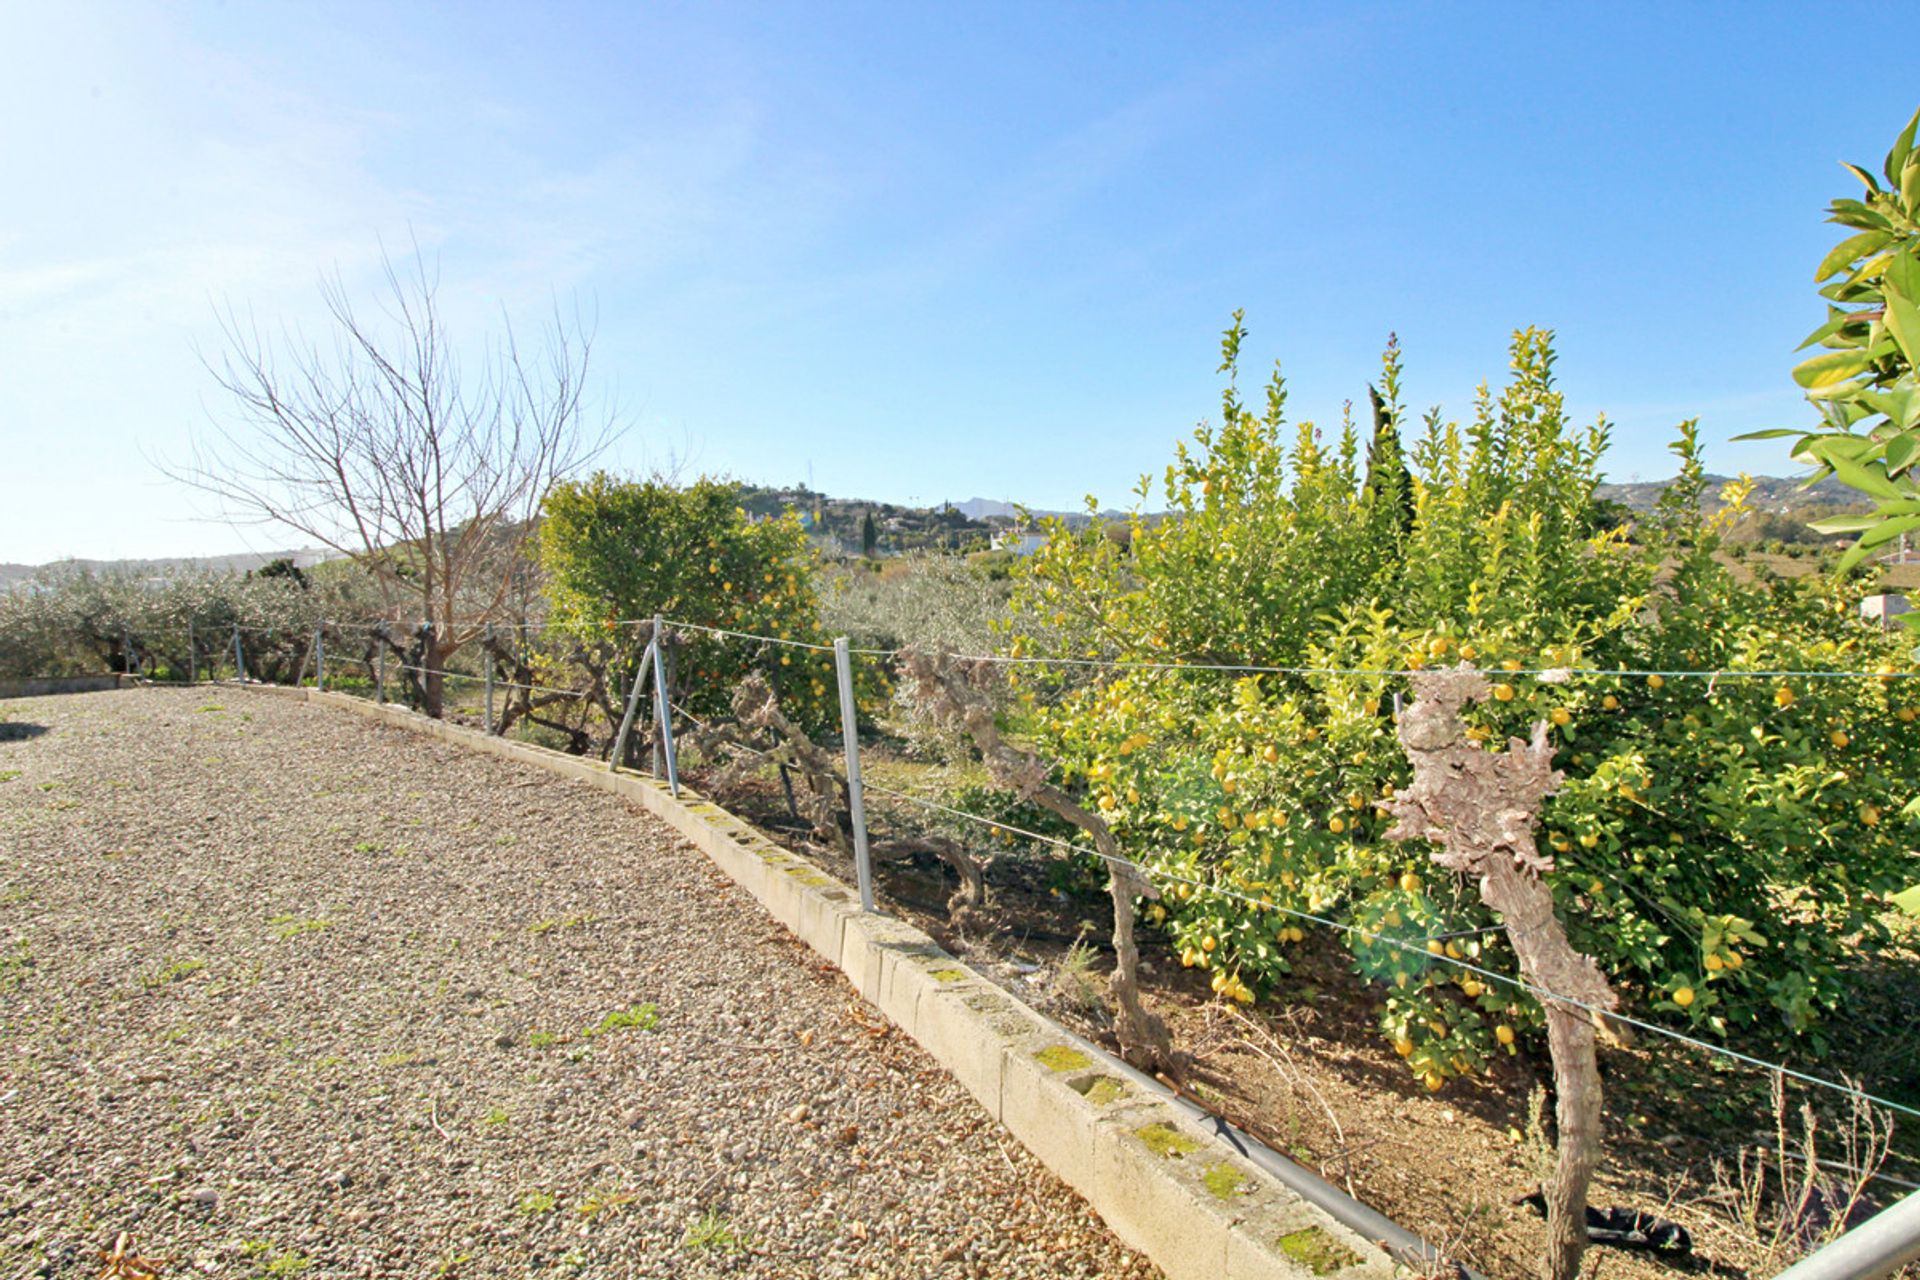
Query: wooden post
(1479,808)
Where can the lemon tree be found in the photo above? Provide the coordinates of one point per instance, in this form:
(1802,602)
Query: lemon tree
(1719,845)
(615,550)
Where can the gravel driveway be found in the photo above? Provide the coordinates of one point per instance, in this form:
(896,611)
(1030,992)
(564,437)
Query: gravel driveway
(285,992)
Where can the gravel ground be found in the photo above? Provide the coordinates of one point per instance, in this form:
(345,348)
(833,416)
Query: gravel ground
(284,992)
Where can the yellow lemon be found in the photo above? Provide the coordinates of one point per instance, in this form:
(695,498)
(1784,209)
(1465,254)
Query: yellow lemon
(1503,1033)
(1208,943)
(1403,1047)
(1337,825)
(1683,997)
(1433,1081)
(1869,816)
(1656,682)
(1409,883)
(1503,692)
(1839,740)
(1561,716)
(1610,702)
(1783,696)
(1715,964)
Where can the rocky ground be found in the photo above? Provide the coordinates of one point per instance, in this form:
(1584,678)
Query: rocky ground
(285,992)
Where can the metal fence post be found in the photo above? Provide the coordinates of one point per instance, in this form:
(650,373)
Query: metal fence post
(126,650)
(486,643)
(856,797)
(380,665)
(320,657)
(633,707)
(239,657)
(653,764)
(664,707)
(1877,1247)
(193,660)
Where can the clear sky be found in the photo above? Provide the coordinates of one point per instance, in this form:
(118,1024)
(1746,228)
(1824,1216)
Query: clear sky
(919,252)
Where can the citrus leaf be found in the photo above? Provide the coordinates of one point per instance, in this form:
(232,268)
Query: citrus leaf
(1855,476)
(1772,433)
(1844,253)
(1825,370)
(1902,149)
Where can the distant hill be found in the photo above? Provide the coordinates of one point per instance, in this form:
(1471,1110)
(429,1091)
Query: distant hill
(1781,495)
(12,574)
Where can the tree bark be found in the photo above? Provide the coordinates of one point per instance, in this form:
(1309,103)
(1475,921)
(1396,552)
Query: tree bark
(948,688)
(1479,808)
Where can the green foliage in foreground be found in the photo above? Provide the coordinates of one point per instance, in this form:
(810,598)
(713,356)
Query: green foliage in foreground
(1863,382)
(1721,847)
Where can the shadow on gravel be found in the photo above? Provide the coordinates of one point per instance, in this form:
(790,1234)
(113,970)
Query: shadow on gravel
(14,731)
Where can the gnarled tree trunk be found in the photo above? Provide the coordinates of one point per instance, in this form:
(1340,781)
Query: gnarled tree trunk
(1479,807)
(950,690)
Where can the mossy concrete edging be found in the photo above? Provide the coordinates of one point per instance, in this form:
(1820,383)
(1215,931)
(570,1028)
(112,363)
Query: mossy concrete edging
(49,686)
(1165,1184)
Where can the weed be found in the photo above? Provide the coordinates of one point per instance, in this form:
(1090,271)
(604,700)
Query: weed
(404,1058)
(8,775)
(598,1201)
(210,708)
(14,896)
(642,1017)
(369,846)
(451,1262)
(495,1117)
(48,786)
(1073,980)
(290,926)
(711,1231)
(15,964)
(542,1039)
(537,1202)
(1787,1199)
(178,971)
(570,922)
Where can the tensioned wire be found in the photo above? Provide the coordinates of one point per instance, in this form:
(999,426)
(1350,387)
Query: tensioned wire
(1125,664)
(1370,936)
(1339,926)
(1384,672)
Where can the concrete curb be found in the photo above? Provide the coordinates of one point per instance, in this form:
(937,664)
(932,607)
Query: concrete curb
(1159,1178)
(49,686)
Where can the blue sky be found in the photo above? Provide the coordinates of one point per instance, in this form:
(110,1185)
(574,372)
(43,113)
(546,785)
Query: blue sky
(918,251)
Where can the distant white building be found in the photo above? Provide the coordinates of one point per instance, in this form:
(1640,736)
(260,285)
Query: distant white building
(1020,542)
(1883,609)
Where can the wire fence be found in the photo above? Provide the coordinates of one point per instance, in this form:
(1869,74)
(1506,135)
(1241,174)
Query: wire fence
(231,654)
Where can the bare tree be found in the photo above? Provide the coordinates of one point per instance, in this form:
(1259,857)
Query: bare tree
(384,444)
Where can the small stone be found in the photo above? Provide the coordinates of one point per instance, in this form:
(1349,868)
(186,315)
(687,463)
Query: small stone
(806,1038)
(738,1154)
(634,1118)
(339,1180)
(797,1115)
(206,1197)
